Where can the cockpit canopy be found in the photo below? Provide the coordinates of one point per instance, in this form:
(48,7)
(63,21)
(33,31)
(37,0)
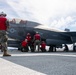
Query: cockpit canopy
(18,21)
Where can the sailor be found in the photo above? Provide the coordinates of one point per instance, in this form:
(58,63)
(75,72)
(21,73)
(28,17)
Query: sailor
(29,39)
(37,40)
(43,46)
(4,25)
(24,46)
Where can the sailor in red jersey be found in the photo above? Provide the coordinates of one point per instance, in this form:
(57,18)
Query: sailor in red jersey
(43,46)
(4,25)
(37,39)
(24,45)
(29,39)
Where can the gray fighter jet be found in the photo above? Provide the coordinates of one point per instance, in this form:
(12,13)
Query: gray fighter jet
(53,38)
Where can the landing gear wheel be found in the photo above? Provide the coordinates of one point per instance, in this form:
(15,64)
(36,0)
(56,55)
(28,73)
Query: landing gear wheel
(51,49)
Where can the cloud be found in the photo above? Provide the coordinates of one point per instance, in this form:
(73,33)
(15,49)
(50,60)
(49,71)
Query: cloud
(62,22)
(54,13)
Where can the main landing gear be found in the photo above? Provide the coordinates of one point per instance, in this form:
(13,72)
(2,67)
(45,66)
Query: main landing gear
(66,48)
(52,48)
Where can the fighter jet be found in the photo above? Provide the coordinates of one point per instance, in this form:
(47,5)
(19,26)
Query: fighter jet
(53,38)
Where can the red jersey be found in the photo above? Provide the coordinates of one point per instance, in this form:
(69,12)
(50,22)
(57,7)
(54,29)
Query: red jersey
(37,36)
(28,38)
(24,44)
(43,45)
(3,23)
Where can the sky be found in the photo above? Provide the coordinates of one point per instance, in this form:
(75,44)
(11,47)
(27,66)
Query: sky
(58,14)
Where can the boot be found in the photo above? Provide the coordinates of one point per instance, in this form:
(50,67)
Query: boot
(6,54)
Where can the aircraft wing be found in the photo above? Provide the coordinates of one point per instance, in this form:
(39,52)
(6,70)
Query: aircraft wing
(54,37)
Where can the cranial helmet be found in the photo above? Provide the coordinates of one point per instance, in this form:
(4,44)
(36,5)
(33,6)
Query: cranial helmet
(28,33)
(37,32)
(2,13)
(26,40)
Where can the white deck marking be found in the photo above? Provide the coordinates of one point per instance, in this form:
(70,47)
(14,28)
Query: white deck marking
(46,54)
(10,68)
